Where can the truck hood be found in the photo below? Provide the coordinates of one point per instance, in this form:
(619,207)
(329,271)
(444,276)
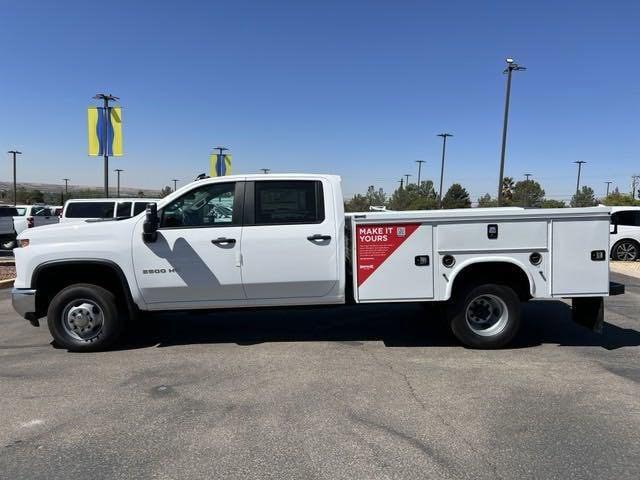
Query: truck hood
(78,232)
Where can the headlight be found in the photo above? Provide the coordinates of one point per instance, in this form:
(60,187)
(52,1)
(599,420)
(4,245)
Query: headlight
(23,242)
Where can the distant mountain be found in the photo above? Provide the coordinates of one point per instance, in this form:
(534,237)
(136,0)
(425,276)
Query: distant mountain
(6,188)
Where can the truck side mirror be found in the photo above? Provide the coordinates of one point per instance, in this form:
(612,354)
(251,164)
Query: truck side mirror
(151,222)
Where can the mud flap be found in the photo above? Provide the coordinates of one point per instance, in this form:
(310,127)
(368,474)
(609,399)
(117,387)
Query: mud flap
(588,312)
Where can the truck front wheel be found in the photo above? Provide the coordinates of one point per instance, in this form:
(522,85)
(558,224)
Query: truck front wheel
(486,316)
(84,318)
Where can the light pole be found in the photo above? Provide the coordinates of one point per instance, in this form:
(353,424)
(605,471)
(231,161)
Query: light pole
(401,182)
(175,183)
(15,187)
(106,98)
(526,188)
(265,170)
(608,184)
(66,188)
(511,66)
(407,175)
(419,162)
(579,162)
(118,171)
(444,149)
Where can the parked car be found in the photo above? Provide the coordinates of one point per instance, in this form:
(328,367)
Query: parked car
(284,240)
(78,210)
(7,229)
(30,216)
(625,233)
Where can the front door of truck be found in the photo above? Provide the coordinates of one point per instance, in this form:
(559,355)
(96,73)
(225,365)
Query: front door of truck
(195,260)
(289,240)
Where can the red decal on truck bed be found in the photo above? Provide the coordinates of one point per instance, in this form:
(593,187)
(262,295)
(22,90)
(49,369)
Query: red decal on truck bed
(375,243)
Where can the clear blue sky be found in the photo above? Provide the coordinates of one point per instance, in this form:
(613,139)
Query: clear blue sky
(355,88)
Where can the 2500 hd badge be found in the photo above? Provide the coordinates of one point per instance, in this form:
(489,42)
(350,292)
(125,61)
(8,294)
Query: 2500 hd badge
(158,270)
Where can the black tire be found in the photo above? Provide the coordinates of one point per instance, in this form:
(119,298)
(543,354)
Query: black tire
(85,300)
(493,302)
(626,250)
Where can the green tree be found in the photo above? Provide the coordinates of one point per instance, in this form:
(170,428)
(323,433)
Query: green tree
(584,198)
(527,193)
(140,194)
(456,197)
(376,197)
(165,191)
(550,203)
(486,201)
(507,190)
(358,203)
(620,199)
(423,203)
(400,199)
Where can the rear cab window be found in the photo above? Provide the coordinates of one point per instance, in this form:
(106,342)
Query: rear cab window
(90,210)
(40,212)
(8,212)
(285,202)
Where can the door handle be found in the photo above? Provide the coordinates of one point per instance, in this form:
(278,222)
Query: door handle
(224,241)
(317,236)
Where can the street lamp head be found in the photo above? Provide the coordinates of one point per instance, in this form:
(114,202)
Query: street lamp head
(15,152)
(509,60)
(106,96)
(444,135)
(222,149)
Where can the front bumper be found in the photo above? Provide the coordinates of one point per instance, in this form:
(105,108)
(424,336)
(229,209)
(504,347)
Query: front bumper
(24,302)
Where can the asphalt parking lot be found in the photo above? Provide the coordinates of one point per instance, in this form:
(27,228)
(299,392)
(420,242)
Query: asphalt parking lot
(351,392)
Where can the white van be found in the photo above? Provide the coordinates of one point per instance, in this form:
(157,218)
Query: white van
(78,210)
(625,233)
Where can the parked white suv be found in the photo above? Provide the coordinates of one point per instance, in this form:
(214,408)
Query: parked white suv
(625,233)
(79,210)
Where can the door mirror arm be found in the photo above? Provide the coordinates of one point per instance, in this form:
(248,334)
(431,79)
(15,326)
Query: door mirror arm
(150,224)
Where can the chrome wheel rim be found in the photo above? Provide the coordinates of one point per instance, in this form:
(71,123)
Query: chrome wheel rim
(82,319)
(626,252)
(487,315)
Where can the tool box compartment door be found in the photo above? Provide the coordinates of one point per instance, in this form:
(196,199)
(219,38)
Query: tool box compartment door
(394,261)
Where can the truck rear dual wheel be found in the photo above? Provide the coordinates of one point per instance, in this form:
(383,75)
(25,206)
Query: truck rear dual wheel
(84,318)
(485,316)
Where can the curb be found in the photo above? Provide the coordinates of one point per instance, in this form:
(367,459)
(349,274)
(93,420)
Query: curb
(6,283)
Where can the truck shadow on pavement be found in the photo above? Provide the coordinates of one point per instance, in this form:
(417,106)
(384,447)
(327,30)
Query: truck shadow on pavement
(396,325)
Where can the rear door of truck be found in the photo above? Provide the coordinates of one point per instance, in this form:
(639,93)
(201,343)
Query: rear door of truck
(290,243)
(393,261)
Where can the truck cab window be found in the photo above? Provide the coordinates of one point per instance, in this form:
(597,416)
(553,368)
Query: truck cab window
(41,212)
(285,202)
(207,206)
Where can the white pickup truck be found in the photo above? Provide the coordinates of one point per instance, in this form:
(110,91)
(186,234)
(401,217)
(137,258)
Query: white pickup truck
(284,240)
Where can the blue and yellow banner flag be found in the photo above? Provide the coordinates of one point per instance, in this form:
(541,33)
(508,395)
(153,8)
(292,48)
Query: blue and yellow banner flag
(104,129)
(219,165)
